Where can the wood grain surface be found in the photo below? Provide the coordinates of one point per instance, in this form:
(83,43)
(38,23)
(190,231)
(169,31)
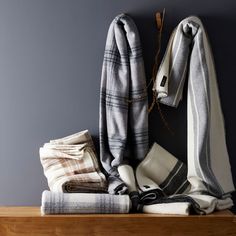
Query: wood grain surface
(27,221)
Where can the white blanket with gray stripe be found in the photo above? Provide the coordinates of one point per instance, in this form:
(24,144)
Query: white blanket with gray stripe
(189,56)
(123,102)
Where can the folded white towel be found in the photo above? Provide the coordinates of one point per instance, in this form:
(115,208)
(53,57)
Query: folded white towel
(178,208)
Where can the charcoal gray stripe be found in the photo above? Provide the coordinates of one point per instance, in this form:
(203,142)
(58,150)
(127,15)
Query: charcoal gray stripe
(183,187)
(175,179)
(214,187)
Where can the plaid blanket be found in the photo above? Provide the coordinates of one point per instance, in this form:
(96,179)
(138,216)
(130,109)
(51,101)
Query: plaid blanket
(75,203)
(208,161)
(186,204)
(123,120)
(70,164)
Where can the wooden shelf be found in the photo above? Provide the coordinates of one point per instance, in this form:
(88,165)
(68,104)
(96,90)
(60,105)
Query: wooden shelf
(24,221)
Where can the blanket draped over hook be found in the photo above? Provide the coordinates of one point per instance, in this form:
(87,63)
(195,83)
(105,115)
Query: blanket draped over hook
(123,123)
(70,164)
(83,203)
(189,56)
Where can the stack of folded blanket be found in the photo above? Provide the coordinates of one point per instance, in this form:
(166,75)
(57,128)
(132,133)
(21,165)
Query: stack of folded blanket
(74,177)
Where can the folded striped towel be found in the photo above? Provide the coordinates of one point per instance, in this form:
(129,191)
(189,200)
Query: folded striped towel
(70,164)
(74,203)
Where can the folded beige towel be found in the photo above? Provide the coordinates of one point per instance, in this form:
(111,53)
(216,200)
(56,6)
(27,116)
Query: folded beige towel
(160,169)
(70,164)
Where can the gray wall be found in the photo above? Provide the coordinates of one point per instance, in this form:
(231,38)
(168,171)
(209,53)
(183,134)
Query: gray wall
(51,54)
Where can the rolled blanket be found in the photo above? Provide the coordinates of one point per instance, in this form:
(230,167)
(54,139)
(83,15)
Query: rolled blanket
(70,165)
(208,161)
(123,118)
(76,203)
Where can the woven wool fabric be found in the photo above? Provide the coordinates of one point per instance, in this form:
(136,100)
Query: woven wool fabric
(123,102)
(70,164)
(77,203)
(208,161)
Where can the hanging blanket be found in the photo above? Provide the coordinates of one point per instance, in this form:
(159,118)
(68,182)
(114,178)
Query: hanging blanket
(70,164)
(123,102)
(188,55)
(77,203)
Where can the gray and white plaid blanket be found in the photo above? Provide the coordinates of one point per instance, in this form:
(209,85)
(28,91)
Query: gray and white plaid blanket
(208,161)
(123,102)
(71,165)
(76,203)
